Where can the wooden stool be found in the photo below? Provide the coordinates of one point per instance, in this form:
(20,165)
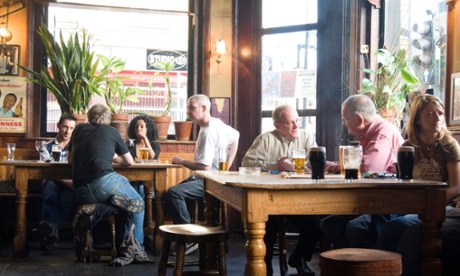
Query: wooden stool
(84,246)
(192,233)
(359,262)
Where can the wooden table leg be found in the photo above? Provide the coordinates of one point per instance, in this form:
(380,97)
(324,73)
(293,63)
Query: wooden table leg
(255,249)
(431,227)
(20,236)
(160,190)
(149,226)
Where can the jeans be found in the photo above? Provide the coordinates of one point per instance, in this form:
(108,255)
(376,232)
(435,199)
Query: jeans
(309,235)
(353,231)
(101,190)
(59,203)
(404,236)
(177,196)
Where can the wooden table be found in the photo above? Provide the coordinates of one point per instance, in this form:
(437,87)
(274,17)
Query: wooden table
(153,174)
(257,196)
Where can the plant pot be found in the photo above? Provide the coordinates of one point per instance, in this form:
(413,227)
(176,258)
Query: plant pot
(121,122)
(162,123)
(81,118)
(183,130)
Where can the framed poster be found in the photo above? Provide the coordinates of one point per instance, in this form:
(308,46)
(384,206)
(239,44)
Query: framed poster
(454,116)
(9,60)
(12,105)
(220,108)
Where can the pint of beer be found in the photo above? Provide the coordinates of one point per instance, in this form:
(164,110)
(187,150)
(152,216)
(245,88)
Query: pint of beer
(223,166)
(144,154)
(342,169)
(317,162)
(56,153)
(406,162)
(298,159)
(352,161)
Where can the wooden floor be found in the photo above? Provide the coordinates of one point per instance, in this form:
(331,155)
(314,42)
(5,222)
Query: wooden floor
(62,261)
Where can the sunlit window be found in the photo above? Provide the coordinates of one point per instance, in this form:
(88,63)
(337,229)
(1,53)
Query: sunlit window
(132,33)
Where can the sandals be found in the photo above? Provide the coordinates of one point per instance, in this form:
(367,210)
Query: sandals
(127,204)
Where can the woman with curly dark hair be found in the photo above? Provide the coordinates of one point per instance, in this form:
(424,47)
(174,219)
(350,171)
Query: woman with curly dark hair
(142,133)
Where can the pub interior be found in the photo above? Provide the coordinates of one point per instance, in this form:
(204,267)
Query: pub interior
(233,54)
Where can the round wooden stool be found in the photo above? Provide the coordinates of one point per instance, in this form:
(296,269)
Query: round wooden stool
(192,233)
(359,261)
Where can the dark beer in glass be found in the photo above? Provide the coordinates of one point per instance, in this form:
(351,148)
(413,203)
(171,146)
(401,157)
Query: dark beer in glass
(406,155)
(317,162)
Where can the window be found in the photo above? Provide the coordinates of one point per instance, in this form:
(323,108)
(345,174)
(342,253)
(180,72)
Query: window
(131,33)
(289,59)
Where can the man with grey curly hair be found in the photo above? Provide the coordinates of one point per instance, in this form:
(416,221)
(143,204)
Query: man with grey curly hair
(93,147)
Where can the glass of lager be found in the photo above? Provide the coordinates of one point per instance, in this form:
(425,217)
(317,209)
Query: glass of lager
(352,156)
(144,154)
(223,161)
(342,169)
(298,158)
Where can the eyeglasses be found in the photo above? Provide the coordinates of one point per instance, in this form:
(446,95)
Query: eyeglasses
(297,122)
(345,120)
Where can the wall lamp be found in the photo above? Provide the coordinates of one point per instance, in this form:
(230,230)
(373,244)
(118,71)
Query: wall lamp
(220,49)
(8,7)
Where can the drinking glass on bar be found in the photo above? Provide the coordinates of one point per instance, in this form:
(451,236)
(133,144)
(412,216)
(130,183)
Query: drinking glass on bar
(144,154)
(406,155)
(352,161)
(40,146)
(298,158)
(317,162)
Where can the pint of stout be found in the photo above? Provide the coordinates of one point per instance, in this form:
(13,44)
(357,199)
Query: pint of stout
(406,155)
(352,161)
(317,162)
(56,153)
(144,154)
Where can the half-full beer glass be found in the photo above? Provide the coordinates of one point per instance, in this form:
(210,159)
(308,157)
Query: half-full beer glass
(317,162)
(298,158)
(352,156)
(223,161)
(406,155)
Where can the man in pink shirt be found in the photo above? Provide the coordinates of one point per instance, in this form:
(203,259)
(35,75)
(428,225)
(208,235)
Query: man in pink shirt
(380,139)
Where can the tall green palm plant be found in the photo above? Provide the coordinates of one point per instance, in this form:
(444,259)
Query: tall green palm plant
(72,75)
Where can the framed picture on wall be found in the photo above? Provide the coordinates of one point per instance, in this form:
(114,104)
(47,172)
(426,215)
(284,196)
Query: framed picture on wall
(220,108)
(9,60)
(454,115)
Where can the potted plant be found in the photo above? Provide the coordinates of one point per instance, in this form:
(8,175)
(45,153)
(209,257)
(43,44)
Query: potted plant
(393,81)
(115,93)
(72,75)
(162,119)
(183,129)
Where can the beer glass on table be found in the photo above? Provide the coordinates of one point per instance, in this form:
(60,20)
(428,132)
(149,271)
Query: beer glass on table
(144,155)
(223,161)
(40,146)
(298,159)
(342,169)
(406,155)
(56,153)
(317,162)
(352,161)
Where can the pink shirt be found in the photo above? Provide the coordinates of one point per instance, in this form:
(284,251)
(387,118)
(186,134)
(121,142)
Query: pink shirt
(379,143)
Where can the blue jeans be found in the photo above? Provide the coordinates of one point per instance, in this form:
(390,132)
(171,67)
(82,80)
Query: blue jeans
(59,203)
(353,231)
(102,189)
(177,196)
(404,235)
